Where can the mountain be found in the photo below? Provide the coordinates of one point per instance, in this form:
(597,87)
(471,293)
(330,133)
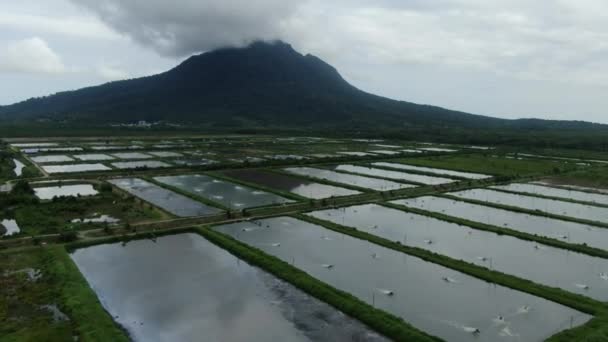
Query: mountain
(263,84)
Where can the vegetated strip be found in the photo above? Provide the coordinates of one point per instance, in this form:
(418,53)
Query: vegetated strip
(525,211)
(562,199)
(93,323)
(386,324)
(579,248)
(578,302)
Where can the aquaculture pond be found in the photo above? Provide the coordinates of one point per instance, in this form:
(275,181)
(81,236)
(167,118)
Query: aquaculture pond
(93,156)
(183,288)
(19,166)
(170,201)
(228,194)
(550,266)
(48,192)
(445,172)
(573,187)
(555,192)
(575,210)
(152,164)
(540,225)
(435,299)
(52,159)
(396,175)
(348,179)
(73,168)
(132,155)
(165,154)
(9,227)
(299,186)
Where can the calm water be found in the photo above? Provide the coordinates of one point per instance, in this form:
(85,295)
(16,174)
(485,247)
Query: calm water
(385,152)
(396,175)
(445,172)
(170,201)
(47,193)
(558,229)
(165,154)
(542,264)
(555,192)
(52,159)
(93,156)
(10,226)
(356,154)
(72,168)
(193,162)
(573,187)
(295,185)
(152,164)
(580,211)
(229,194)
(19,166)
(132,155)
(438,300)
(348,179)
(183,288)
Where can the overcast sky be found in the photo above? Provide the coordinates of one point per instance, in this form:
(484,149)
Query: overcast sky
(505,58)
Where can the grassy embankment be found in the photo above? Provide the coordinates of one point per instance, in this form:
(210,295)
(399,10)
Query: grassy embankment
(60,284)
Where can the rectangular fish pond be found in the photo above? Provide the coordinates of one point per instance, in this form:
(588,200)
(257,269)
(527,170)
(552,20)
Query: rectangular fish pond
(74,168)
(568,231)
(48,192)
(349,179)
(467,175)
(555,192)
(226,193)
(299,186)
(168,200)
(395,175)
(574,272)
(563,208)
(435,299)
(184,288)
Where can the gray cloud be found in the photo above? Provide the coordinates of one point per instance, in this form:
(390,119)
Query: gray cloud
(193,25)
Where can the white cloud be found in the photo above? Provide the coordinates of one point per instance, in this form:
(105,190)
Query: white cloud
(31,55)
(80,27)
(112,73)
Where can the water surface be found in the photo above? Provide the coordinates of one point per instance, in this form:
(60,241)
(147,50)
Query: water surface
(575,210)
(183,288)
(168,200)
(529,260)
(19,166)
(295,185)
(48,192)
(435,299)
(10,226)
(349,179)
(151,164)
(540,225)
(93,156)
(554,192)
(396,175)
(72,168)
(52,159)
(229,194)
(445,172)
